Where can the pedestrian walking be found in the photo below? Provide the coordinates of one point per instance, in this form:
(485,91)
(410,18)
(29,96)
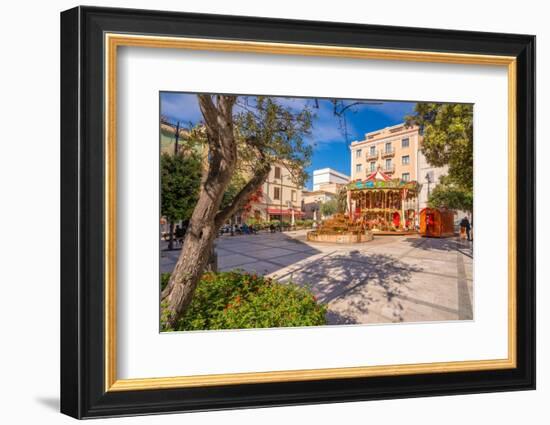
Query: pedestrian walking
(465,224)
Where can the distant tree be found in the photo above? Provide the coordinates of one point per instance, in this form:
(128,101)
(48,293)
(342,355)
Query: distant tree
(180,182)
(449,195)
(447,130)
(342,200)
(329,208)
(255,133)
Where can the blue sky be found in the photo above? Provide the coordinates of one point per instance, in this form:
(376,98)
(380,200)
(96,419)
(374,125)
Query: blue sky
(330,147)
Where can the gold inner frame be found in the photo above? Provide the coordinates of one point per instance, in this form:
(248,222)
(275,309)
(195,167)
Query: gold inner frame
(113,41)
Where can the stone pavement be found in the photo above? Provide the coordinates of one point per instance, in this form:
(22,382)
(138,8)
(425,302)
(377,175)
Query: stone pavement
(390,279)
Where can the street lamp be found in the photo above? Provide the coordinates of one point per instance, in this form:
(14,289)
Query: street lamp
(281,195)
(291,208)
(177,138)
(315,207)
(429,180)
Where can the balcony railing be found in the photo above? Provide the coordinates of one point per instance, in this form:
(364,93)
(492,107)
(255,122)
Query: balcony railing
(389,169)
(388,152)
(372,155)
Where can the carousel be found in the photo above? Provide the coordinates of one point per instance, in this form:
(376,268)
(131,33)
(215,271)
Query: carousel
(383,205)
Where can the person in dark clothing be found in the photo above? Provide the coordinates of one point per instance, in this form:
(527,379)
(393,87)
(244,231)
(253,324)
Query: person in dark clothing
(179,234)
(465,223)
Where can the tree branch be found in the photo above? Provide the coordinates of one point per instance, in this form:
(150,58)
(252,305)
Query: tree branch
(242,197)
(210,114)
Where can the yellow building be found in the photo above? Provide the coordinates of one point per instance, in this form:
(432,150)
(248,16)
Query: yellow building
(393,150)
(281,198)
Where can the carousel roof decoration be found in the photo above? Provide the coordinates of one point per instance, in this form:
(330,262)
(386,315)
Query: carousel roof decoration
(380,180)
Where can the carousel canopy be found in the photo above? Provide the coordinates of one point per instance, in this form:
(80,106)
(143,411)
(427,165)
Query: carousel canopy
(380,180)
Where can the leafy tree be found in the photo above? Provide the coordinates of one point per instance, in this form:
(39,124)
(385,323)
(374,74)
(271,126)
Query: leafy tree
(233,188)
(329,208)
(447,131)
(252,133)
(342,200)
(180,181)
(449,195)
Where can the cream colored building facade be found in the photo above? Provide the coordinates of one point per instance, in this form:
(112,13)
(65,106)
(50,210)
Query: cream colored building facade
(312,201)
(280,197)
(392,150)
(396,151)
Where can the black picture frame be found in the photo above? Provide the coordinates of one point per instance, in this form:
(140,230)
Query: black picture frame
(82,212)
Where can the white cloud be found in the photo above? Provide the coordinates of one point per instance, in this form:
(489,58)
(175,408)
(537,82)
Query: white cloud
(326,126)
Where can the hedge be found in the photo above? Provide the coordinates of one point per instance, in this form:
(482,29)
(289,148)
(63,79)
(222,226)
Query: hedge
(235,300)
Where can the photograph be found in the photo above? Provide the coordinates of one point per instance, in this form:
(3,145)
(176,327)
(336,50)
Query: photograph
(284,211)
(289,210)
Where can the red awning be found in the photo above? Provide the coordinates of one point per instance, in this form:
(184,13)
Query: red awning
(276,211)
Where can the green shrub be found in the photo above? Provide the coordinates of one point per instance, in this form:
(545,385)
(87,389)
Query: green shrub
(258,223)
(234,300)
(164,278)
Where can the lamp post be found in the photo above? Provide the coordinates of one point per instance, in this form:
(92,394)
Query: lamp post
(315,207)
(177,138)
(281,196)
(429,180)
(281,201)
(291,208)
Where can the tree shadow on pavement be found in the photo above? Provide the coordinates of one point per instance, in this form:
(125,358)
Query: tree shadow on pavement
(356,281)
(449,244)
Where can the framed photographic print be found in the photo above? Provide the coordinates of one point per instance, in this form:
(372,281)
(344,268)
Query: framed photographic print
(261,212)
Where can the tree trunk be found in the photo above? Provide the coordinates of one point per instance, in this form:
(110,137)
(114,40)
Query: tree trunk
(194,257)
(207,218)
(199,244)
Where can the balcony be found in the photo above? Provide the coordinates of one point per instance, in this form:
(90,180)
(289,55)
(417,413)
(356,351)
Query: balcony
(389,169)
(372,156)
(388,152)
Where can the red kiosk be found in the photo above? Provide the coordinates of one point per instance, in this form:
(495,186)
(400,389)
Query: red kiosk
(437,222)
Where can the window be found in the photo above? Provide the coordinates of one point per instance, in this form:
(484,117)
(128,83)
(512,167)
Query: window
(388,147)
(358,153)
(277,172)
(277,192)
(405,159)
(358,168)
(373,166)
(388,164)
(293,196)
(373,150)
(405,177)
(405,142)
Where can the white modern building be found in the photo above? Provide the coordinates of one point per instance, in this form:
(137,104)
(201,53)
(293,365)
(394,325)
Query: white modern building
(326,177)
(326,185)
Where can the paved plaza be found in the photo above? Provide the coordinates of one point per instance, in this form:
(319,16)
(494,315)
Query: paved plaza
(390,279)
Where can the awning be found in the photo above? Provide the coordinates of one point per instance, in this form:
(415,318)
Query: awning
(276,211)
